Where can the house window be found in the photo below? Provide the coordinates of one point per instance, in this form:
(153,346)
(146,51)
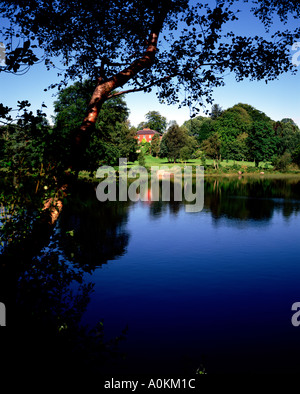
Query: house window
(150,137)
(144,136)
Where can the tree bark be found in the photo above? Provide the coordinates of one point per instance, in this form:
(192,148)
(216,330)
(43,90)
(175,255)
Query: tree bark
(81,136)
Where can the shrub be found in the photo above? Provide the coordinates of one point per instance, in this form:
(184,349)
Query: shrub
(236,167)
(282,162)
(296,156)
(141,159)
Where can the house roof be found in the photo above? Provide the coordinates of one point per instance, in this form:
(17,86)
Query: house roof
(147,131)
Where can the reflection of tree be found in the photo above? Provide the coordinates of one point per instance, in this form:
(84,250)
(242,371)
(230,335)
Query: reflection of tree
(239,198)
(44,291)
(50,300)
(157,208)
(93,232)
(288,209)
(251,198)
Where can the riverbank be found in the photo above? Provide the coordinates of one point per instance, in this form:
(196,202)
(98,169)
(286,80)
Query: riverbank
(226,168)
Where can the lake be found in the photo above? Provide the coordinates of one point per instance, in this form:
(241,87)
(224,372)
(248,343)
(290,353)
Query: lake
(209,290)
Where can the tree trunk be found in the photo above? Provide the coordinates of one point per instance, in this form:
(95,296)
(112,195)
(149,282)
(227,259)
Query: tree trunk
(81,136)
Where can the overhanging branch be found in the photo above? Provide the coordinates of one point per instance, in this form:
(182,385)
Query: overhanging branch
(143,88)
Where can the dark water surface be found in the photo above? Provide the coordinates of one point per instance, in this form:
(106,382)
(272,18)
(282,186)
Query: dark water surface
(212,289)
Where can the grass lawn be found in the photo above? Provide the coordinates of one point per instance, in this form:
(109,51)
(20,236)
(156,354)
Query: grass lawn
(156,161)
(226,168)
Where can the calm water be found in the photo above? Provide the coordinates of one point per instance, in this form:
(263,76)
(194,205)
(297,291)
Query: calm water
(212,289)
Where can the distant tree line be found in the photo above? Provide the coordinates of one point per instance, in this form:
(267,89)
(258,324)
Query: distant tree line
(240,133)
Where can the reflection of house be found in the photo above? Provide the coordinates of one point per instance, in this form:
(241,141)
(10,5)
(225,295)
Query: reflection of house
(147,135)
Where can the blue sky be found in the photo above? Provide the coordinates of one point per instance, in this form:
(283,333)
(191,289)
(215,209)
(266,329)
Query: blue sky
(278,99)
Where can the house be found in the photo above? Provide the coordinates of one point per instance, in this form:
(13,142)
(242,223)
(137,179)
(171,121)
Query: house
(147,135)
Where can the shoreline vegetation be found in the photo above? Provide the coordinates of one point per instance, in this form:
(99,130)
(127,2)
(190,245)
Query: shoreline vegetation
(225,168)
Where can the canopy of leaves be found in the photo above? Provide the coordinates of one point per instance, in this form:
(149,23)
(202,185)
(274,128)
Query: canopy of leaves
(155,121)
(289,135)
(262,142)
(155,145)
(112,138)
(212,146)
(243,132)
(193,126)
(175,139)
(197,42)
(216,111)
(27,142)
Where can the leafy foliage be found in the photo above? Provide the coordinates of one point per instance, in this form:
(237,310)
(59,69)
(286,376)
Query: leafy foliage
(230,126)
(155,145)
(31,169)
(195,127)
(262,142)
(216,111)
(154,121)
(176,45)
(281,163)
(112,137)
(175,139)
(243,132)
(212,146)
(289,135)
(196,48)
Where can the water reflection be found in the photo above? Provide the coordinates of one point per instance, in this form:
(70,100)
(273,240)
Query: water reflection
(252,199)
(169,279)
(93,232)
(51,297)
(239,199)
(191,291)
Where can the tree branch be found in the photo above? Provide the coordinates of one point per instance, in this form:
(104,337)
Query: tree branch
(103,89)
(143,88)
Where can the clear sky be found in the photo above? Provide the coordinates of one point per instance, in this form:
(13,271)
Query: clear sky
(278,99)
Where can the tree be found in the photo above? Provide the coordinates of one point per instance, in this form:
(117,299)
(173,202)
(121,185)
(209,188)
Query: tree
(289,135)
(28,143)
(115,52)
(163,150)
(282,162)
(206,129)
(175,140)
(155,121)
(185,153)
(112,137)
(239,149)
(212,146)
(216,111)
(262,142)
(233,126)
(289,120)
(155,145)
(141,159)
(193,125)
(296,155)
